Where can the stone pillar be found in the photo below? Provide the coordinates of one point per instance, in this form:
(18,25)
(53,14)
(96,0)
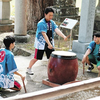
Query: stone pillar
(97,18)
(86,28)
(5,22)
(20,21)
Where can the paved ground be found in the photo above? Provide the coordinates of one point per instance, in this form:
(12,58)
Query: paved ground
(34,83)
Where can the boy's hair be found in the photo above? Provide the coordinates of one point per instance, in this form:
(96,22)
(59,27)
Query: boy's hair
(96,34)
(48,9)
(8,40)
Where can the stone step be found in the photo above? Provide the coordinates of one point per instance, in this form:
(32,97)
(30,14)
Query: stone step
(6,28)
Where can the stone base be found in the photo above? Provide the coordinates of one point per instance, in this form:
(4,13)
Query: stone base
(2,22)
(79,55)
(79,48)
(6,28)
(21,39)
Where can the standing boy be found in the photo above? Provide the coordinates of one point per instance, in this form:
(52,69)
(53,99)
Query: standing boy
(44,40)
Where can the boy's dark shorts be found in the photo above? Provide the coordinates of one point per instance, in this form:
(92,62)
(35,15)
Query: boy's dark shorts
(39,53)
(94,60)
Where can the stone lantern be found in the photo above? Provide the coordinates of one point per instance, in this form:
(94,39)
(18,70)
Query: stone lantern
(5,22)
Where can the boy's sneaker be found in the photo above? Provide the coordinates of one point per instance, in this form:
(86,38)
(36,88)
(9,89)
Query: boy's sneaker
(91,67)
(29,71)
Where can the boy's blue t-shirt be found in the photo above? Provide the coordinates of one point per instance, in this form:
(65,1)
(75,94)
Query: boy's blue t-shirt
(7,68)
(39,39)
(96,49)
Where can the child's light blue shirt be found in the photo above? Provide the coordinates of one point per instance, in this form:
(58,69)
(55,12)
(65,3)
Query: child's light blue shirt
(7,68)
(42,27)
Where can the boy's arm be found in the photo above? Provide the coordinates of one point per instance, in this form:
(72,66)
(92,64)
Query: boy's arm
(47,40)
(61,34)
(22,77)
(85,55)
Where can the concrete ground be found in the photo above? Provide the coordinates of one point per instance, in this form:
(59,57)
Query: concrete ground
(34,82)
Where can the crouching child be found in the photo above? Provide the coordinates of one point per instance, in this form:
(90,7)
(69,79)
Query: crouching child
(8,66)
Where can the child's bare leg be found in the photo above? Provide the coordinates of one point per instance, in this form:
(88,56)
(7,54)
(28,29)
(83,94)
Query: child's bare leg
(32,62)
